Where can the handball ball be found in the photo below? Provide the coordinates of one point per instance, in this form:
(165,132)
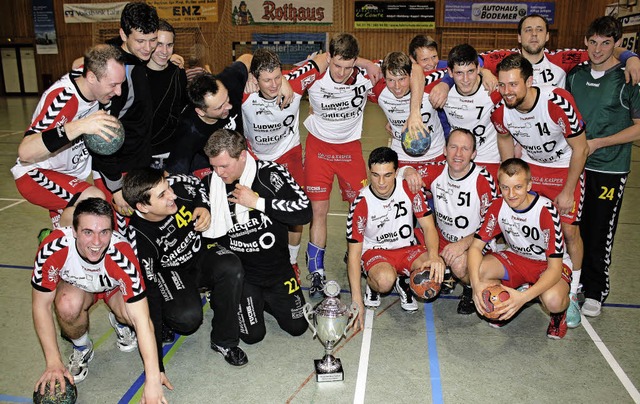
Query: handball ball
(422,286)
(491,296)
(415,144)
(98,145)
(68,396)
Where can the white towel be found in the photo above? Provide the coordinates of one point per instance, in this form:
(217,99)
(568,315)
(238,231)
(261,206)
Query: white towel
(220,215)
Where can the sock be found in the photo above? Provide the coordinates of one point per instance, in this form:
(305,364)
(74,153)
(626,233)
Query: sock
(83,341)
(293,253)
(575,280)
(315,258)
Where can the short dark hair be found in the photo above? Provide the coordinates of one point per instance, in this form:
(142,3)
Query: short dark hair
(514,166)
(137,184)
(421,41)
(163,25)
(606,27)
(466,132)
(396,63)
(201,85)
(516,61)
(264,59)
(534,15)
(225,140)
(383,155)
(97,57)
(92,206)
(344,45)
(139,16)
(462,55)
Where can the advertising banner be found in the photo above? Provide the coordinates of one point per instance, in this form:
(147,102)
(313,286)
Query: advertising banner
(495,12)
(396,15)
(250,12)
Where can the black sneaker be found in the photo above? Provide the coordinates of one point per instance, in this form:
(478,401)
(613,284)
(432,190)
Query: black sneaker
(234,356)
(449,282)
(318,280)
(466,306)
(168,336)
(402,288)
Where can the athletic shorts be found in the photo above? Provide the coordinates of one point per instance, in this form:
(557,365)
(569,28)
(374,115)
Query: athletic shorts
(292,161)
(548,181)
(324,160)
(106,296)
(50,189)
(520,270)
(401,259)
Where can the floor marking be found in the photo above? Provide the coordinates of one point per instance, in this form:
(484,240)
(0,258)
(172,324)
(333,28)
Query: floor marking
(434,363)
(361,381)
(11,199)
(13,204)
(337,214)
(15,399)
(624,379)
(16,266)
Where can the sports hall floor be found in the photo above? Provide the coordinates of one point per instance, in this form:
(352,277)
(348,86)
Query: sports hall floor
(432,356)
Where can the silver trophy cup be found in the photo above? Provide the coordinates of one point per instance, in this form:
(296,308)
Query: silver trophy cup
(329,322)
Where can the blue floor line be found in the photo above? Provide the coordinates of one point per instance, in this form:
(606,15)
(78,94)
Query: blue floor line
(15,399)
(434,363)
(16,266)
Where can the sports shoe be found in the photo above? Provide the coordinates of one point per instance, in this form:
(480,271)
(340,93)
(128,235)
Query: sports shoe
(557,325)
(168,336)
(591,307)
(407,302)
(318,281)
(573,311)
(126,340)
(79,361)
(466,306)
(449,282)
(234,356)
(43,234)
(371,297)
(496,324)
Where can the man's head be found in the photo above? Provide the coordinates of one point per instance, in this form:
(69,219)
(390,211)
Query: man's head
(92,228)
(383,164)
(210,97)
(139,29)
(147,190)
(514,177)
(227,152)
(396,68)
(459,151)
(342,55)
(161,56)
(515,78)
(103,72)
(267,69)
(602,36)
(463,67)
(533,34)
(424,51)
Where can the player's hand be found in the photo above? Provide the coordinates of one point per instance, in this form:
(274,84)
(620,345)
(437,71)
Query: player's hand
(593,145)
(438,95)
(358,323)
(436,266)
(177,60)
(452,251)
(374,72)
(564,201)
(477,296)
(489,80)
(251,86)
(95,124)
(120,205)
(152,392)
(414,123)
(511,306)
(202,218)
(632,70)
(245,196)
(285,96)
(414,180)
(53,374)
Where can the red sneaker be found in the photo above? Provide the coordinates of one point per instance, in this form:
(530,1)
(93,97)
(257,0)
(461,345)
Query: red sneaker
(557,325)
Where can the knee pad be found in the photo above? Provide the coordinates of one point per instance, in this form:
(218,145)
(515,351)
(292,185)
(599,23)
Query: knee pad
(315,258)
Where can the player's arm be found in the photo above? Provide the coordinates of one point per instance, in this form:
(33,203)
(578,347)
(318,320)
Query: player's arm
(138,312)
(489,80)
(414,121)
(354,273)
(631,62)
(627,135)
(474,260)
(374,72)
(579,153)
(43,322)
(452,251)
(432,242)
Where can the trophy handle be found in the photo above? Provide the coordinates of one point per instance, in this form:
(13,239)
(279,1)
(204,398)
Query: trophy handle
(308,311)
(354,313)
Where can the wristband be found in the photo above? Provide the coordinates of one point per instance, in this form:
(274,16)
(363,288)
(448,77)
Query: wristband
(55,139)
(626,55)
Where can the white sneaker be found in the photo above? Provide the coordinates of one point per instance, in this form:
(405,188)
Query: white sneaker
(79,362)
(371,297)
(407,302)
(591,307)
(126,340)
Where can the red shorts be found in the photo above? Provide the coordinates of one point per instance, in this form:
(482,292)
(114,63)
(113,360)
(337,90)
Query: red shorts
(549,182)
(292,161)
(106,296)
(401,259)
(521,270)
(324,160)
(50,189)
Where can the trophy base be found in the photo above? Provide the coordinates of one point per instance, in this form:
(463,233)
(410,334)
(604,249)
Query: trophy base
(335,374)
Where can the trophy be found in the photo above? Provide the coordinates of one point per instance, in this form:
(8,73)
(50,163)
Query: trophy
(329,322)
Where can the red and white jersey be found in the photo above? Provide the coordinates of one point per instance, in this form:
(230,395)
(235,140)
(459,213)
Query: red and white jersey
(58,259)
(271,131)
(533,233)
(543,131)
(338,108)
(552,69)
(386,223)
(459,204)
(397,113)
(473,112)
(61,103)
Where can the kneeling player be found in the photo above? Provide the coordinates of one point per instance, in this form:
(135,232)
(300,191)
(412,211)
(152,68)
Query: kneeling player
(381,237)
(530,225)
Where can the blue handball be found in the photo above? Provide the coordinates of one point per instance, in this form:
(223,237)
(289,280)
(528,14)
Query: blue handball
(415,144)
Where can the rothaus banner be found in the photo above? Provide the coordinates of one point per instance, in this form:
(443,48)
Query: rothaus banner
(261,12)
(495,12)
(93,12)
